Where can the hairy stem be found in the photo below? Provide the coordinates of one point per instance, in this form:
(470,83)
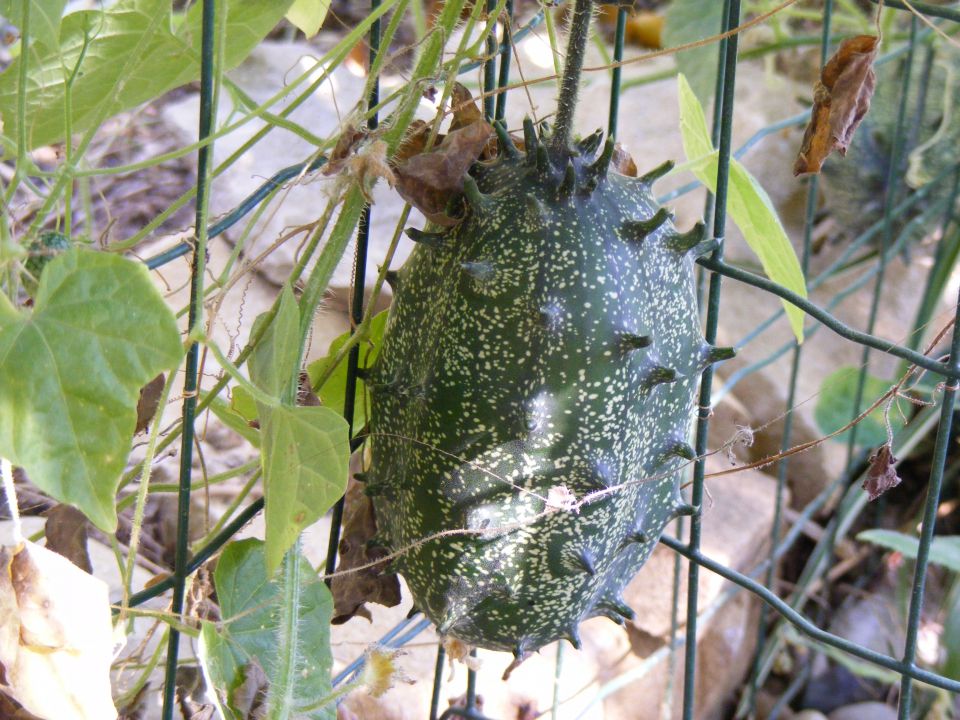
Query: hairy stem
(570,85)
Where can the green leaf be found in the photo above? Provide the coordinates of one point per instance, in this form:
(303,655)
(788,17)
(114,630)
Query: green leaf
(944,550)
(132,51)
(243,404)
(274,361)
(951,633)
(688,21)
(333,391)
(235,420)
(860,668)
(835,407)
(250,607)
(747,203)
(73,367)
(308,15)
(222,670)
(45,17)
(304,455)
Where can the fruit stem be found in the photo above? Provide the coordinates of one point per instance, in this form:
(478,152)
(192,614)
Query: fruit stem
(570,84)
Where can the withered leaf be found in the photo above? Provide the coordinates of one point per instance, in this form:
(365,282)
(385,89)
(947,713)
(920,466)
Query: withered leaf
(249,698)
(352,590)
(841,99)
(148,402)
(56,639)
(342,151)
(429,181)
(414,142)
(66,533)
(465,110)
(365,161)
(882,473)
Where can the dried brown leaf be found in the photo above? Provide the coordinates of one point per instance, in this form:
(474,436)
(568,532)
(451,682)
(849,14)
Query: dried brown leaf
(465,109)
(346,144)
(56,637)
(841,99)
(352,590)
(364,161)
(148,402)
(249,698)
(882,473)
(66,533)
(414,142)
(429,181)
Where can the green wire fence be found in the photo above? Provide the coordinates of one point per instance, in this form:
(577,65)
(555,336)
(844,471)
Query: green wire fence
(890,239)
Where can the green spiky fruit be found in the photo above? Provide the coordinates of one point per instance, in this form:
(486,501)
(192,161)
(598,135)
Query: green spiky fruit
(40,252)
(548,345)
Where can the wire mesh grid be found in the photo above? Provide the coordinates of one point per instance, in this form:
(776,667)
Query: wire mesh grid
(890,239)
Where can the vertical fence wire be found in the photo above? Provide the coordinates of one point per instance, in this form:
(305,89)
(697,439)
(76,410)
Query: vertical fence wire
(930,511)
(787,437)
(192,380)
(356,300)
(505,49)
(723,111)
(617,73)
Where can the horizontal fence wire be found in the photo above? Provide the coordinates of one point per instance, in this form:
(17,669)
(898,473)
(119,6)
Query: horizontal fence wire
(405,631)
(804,625)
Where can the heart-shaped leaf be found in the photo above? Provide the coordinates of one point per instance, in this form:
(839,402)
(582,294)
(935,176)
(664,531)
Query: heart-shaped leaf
(250,635)
(73,367)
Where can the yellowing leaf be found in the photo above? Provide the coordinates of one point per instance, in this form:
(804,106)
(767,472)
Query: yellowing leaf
(333,391)
(308,15)
(59,665)
(747,203)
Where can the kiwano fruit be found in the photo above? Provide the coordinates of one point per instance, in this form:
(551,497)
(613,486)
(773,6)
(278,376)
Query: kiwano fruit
(547,346)
(40,252)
